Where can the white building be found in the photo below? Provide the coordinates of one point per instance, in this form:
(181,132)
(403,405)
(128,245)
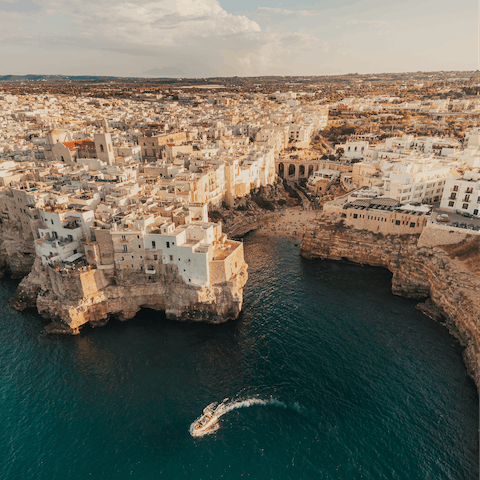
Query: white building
(462,194)
(420,181)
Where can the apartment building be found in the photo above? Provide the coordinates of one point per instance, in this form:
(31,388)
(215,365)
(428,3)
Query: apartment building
(462,194)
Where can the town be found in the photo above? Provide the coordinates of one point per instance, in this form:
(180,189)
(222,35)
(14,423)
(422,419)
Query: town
(127,182)
(76,166)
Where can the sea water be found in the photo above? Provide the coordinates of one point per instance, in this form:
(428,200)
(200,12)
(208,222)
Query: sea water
(325,375)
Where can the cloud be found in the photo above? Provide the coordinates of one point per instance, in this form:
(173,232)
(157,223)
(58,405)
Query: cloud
(157,38)
(369,23)
(283,11)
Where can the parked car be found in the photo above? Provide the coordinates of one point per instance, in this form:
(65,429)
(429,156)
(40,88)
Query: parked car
(463,225)
(471,226)
(466,214)
(443,218)
(454,224)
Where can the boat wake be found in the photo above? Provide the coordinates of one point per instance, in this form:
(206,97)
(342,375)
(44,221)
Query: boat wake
(217,410)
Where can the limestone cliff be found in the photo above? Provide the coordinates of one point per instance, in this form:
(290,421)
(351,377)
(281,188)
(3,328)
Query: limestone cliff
(440,265)
(91,297)
(17,253)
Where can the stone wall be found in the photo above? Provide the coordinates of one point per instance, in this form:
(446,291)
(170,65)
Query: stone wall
(434,235)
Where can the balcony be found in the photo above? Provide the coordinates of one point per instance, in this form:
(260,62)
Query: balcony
(150,271)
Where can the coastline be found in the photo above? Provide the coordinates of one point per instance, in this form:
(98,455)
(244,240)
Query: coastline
(427,273)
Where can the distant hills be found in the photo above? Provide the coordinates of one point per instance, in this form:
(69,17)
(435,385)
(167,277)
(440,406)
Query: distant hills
(50,78)
(348,78)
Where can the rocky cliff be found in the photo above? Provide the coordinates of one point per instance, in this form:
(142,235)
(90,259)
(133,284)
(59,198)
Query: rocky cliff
(432,265)
(17,252)
(92,297)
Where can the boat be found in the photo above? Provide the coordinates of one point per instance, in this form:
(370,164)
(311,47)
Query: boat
(205,422)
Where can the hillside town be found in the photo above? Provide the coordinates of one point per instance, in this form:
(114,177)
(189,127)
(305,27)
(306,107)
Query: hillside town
(126,185)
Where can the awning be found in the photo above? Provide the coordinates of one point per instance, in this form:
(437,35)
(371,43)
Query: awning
(74,257)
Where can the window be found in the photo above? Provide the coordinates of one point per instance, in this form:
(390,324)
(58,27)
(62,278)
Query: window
(171,258)
(355,215)
(51,221)
(155,257)
(153,245)
(465,206)
(124,248)
(168,244)
(412,224)
(139,246)
(101,148)
(173,243)
(455,188)
(397,222)
(123,237)
(451,204)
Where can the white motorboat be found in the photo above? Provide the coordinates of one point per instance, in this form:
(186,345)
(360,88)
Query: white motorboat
(205,422)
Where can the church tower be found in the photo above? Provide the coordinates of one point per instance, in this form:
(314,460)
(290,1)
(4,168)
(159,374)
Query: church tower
(104,148)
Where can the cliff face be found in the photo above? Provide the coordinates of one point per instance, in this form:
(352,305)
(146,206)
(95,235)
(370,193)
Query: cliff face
(421,266)
(73,300)
(17,253)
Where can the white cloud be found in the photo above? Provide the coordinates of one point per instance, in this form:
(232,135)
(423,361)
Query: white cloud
(283,11)
(163,37)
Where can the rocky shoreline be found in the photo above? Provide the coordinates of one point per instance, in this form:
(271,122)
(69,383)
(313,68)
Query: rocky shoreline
(71,301)
(443,275)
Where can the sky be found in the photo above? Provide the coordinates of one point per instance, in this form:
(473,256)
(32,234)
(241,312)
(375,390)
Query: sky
(208,38)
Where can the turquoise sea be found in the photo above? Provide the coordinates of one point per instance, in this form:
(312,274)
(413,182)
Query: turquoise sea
(325,375)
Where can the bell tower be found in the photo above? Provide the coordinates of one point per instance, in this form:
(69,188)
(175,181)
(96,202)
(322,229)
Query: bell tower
(104,148)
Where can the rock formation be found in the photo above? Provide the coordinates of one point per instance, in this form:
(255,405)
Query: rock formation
(72,300)
(443,267)
(17,253)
